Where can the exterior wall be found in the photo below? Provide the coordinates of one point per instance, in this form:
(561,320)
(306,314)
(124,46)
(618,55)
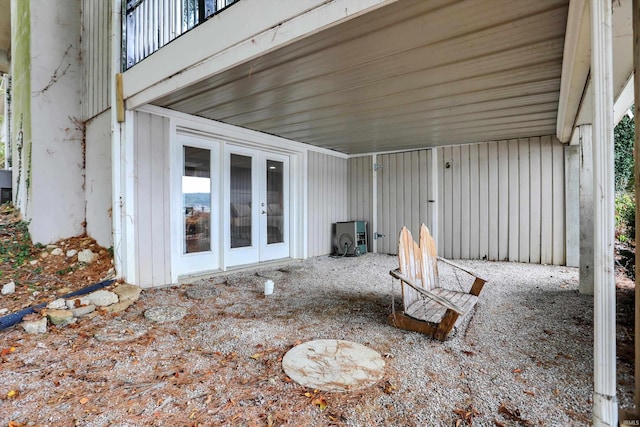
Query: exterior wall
(404,190)
(503,201)
(98,183)
(152,195)
(47,129)
(361,193)
(96,70)
(328,200)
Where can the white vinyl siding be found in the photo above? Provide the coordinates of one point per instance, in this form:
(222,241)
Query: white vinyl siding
(519,212)
(96,54)
(328,200)
(403,195)
(361,193)
(153,246)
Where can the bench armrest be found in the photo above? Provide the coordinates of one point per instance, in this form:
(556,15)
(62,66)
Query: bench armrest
(459,267)
(442,301)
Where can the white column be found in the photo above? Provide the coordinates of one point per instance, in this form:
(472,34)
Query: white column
(585,133)
(572,203)
(605,411)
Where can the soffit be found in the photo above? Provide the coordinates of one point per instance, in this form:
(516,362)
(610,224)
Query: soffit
(412,74)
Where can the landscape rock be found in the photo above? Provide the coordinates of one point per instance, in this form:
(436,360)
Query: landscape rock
(202,292)
(83,310)
(71,252)
(35,326)
(57,252)
(86,256)
(128,292)
(99,298)
(118,307)
(44,254)
(33,262)
(8,288)
(3,311)
(50,247)
(120,331)
(59,304)
(60,317)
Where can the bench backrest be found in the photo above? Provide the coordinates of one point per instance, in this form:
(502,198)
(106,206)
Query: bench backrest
(419,262)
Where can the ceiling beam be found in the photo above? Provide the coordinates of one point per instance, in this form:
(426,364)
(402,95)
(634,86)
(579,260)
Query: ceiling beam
(575,67)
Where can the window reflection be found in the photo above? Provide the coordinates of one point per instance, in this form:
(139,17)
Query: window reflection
(196,200)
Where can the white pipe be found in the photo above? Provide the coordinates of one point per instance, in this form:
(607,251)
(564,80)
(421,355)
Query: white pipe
(374,204)
(605,412)
(116,131)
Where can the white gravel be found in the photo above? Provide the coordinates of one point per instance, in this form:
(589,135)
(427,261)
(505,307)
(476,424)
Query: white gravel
(527,349)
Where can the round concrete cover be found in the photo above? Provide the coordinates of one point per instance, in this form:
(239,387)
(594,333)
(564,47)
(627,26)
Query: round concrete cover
(333,365)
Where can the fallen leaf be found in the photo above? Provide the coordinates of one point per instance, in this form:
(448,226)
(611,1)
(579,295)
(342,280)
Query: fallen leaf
(15,424)
(468,353)
(389,388)
(12,394)
(320,402)
(257,356)
(498,423)
(529,392)
(84,400)
(308,394)
(7,351)
(517,371)
(513,414)
(547,331)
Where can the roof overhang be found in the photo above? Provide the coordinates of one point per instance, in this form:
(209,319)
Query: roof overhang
(405,75)
(575,104)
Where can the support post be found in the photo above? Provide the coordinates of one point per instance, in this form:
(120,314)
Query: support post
(374,204)
(586,209)
(605,411)
(572,202)
(632,416)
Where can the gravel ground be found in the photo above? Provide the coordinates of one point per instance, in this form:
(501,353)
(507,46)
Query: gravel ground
(524,358)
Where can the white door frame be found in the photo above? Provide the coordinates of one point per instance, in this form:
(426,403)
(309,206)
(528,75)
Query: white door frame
(199,261)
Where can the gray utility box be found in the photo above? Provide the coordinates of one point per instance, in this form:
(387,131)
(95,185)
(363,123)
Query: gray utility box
(351,238)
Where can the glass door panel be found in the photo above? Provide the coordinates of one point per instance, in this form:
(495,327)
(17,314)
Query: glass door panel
(241,201)
(275,202)
(274,205)
(196,200)
(196,178)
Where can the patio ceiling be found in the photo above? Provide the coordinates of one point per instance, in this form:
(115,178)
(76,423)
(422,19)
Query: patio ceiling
(411,74)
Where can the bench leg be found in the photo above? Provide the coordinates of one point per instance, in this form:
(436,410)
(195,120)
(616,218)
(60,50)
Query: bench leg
(446,325)
(477,286)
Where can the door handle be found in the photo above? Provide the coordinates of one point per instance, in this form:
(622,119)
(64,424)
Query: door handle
(264,212)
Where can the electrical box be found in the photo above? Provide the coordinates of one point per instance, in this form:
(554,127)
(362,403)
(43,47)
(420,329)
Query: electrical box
(351,238)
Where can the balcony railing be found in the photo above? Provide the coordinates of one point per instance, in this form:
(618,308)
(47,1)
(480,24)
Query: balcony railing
(151,24)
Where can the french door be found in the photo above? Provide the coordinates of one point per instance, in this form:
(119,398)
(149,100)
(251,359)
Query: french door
(256,206)
(199,184)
